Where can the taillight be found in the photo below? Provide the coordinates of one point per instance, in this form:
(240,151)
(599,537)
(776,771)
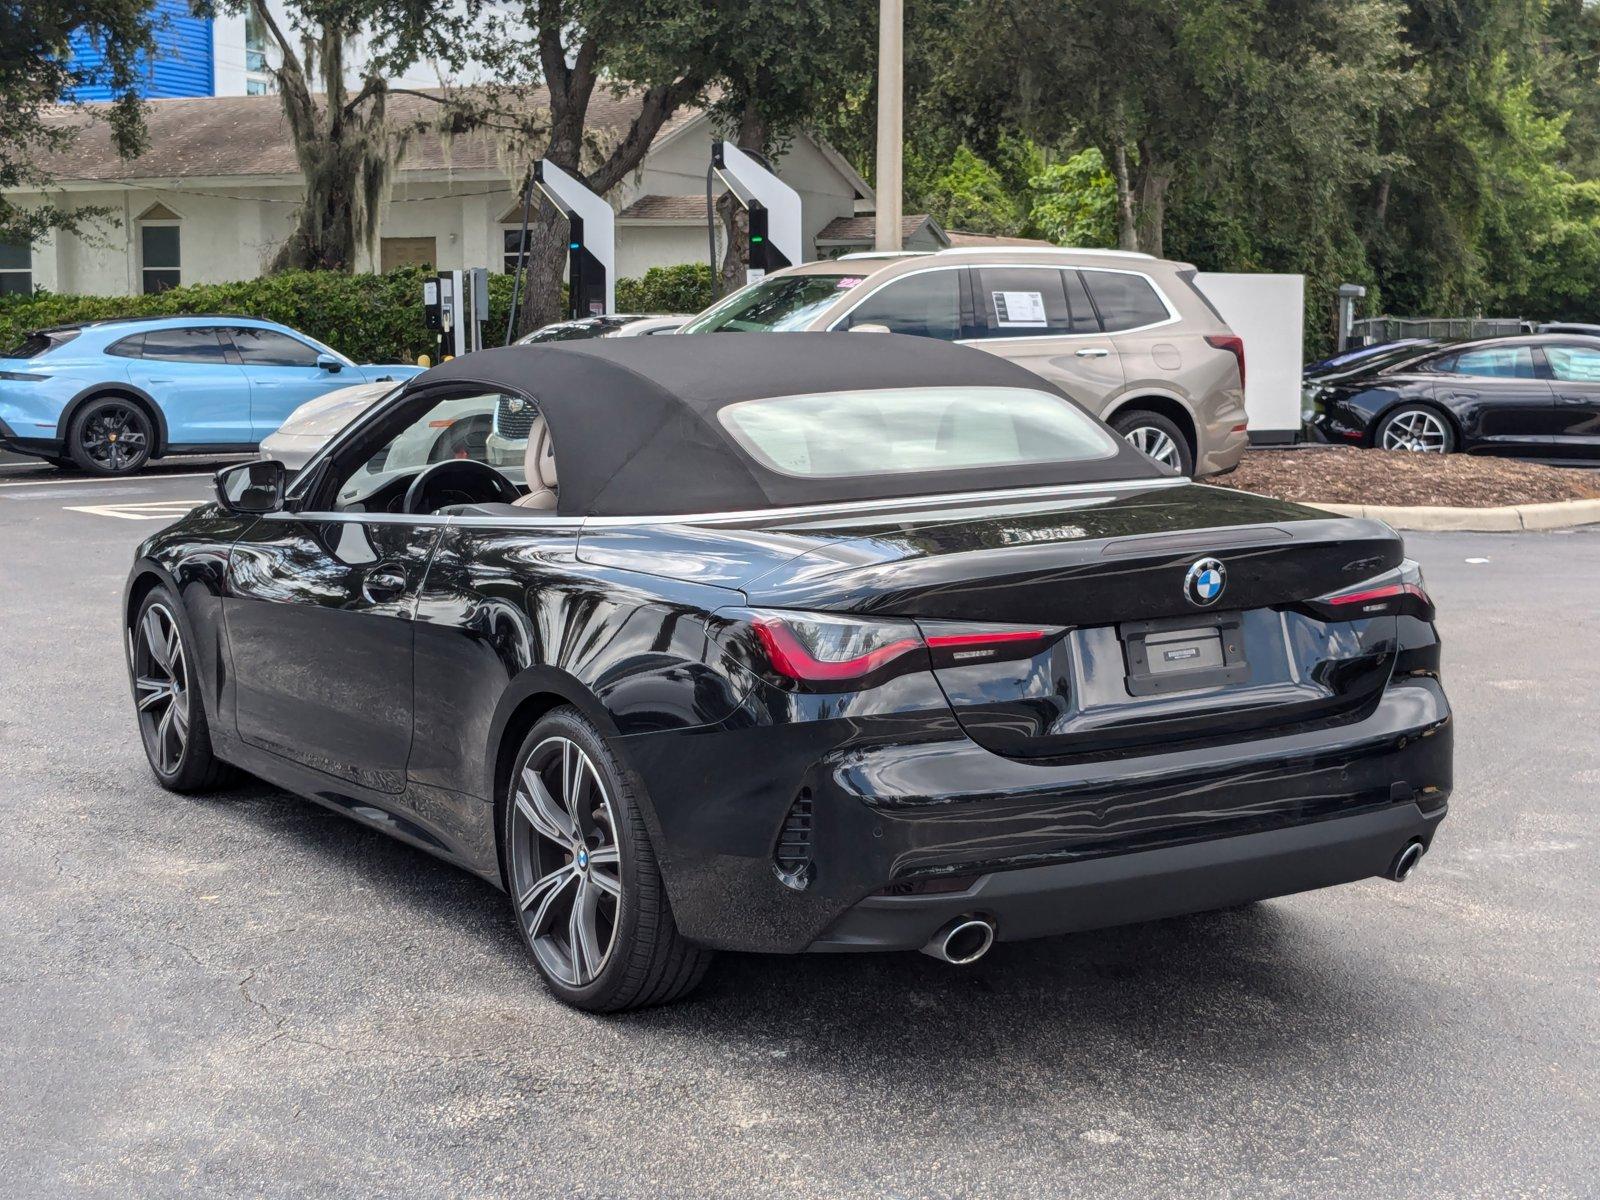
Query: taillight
(1377,595)
(830,652)
(1400,592)
(1233,344)
(820,648)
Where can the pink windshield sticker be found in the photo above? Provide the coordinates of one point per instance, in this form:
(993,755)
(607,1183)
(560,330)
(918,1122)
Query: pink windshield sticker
(849,281)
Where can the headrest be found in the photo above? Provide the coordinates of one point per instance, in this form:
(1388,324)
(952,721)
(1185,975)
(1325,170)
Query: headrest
(539,465)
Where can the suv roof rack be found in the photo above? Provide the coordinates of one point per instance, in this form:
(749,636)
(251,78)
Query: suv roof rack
(1045,250)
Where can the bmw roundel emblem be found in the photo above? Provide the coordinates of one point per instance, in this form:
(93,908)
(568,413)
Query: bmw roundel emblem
(1205,581)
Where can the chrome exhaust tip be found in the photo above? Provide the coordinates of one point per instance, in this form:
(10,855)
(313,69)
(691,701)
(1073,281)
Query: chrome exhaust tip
(965,940)
(1406,861)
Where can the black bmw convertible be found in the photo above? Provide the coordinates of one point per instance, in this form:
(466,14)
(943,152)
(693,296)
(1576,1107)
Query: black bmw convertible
(802,642)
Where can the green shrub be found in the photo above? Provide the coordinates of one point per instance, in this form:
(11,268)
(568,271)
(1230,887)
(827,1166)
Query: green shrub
(371,318)
(685,288)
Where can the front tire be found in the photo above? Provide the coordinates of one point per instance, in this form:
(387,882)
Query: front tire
(1156,437)
(171,715)
(110,436)
(585,887)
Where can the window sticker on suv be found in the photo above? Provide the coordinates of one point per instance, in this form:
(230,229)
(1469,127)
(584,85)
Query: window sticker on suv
(1012,309)
(848,281)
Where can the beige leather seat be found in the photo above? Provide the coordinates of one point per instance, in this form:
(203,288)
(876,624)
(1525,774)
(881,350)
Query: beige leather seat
(539,464)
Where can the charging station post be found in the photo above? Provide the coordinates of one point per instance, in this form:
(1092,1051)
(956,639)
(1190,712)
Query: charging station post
(591,240)
(775,236)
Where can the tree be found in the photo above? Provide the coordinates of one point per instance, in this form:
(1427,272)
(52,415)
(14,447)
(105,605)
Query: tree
(344,143)
(651,49)
(36,73)
(775,69)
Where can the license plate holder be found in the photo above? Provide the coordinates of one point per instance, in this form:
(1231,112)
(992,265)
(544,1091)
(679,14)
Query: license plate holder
(1182,654)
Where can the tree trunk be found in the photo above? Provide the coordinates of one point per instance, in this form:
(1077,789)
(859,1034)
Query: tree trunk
(1127,230)
(1154,180)
(547,263)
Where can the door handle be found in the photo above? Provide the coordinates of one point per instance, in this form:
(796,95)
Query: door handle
(1093,352)
(385,583)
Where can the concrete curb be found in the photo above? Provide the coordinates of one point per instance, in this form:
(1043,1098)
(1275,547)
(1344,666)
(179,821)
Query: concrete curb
(1512,518)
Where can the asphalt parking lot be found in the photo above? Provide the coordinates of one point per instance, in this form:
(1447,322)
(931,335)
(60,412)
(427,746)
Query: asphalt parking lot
(245,994)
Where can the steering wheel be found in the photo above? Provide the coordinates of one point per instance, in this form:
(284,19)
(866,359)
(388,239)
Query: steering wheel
(457,481)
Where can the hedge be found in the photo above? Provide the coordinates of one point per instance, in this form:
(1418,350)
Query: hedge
(371,318)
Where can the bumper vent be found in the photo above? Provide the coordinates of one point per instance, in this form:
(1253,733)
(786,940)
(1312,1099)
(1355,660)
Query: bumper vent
(792,855)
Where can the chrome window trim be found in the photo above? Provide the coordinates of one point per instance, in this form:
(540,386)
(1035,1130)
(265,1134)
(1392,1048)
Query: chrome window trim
(1173,316)
(889,504)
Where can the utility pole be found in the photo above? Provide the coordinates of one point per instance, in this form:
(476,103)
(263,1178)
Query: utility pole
(891,43)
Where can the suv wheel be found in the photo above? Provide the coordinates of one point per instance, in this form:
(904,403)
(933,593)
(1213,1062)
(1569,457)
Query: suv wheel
(1156,437)
(110,436)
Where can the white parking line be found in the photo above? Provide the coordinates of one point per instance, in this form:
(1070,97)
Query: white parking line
(137,510)
(123,479)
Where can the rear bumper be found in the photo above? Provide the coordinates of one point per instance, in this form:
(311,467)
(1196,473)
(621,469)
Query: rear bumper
(30,445)
(1146,886)
(1064,846)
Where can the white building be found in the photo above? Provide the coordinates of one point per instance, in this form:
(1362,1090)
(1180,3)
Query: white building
(215,195)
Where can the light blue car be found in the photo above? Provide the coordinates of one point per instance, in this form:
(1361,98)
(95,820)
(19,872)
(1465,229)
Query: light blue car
(109,396)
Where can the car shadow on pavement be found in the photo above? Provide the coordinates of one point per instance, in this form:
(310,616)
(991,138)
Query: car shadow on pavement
(1226,985)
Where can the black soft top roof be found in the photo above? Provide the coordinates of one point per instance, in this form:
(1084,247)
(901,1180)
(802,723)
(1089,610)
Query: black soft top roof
(636,433)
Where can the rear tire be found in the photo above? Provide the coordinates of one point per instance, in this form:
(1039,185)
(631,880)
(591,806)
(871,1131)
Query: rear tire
(111,436)
(584,884)
(1417,428)
(170,712)
(1157,437)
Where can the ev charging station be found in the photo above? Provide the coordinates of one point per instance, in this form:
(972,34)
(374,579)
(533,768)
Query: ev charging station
(775,234)
(455,305)
(591,241)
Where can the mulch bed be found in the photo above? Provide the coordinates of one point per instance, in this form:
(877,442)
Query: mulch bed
(1348,475)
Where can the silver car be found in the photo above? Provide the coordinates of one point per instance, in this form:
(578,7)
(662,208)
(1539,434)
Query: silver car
(1126,335)
(460,431)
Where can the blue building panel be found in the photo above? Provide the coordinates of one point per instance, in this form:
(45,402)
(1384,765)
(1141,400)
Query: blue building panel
(183,63)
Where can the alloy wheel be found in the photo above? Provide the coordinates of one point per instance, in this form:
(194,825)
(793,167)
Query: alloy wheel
(161,686)
(1155,443)
(565,862)
(1417,431)
(114,437)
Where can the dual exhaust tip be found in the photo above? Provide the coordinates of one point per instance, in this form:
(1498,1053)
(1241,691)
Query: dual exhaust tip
(964,940)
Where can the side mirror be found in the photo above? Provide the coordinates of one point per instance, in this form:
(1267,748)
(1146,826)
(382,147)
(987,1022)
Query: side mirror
(329,363)
(252,488)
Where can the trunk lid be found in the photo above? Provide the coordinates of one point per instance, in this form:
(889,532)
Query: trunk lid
(1136,660)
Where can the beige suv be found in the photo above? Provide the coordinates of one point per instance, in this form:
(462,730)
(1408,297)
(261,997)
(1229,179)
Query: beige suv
(1127,336)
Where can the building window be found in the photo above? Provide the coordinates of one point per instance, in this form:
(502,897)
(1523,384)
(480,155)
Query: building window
(511,242)
(16,269)
(255,45)
(159,258)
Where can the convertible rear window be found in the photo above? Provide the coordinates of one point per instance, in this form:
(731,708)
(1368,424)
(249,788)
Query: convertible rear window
(896,430)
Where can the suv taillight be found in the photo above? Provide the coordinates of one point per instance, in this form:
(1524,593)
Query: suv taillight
(1233,344)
